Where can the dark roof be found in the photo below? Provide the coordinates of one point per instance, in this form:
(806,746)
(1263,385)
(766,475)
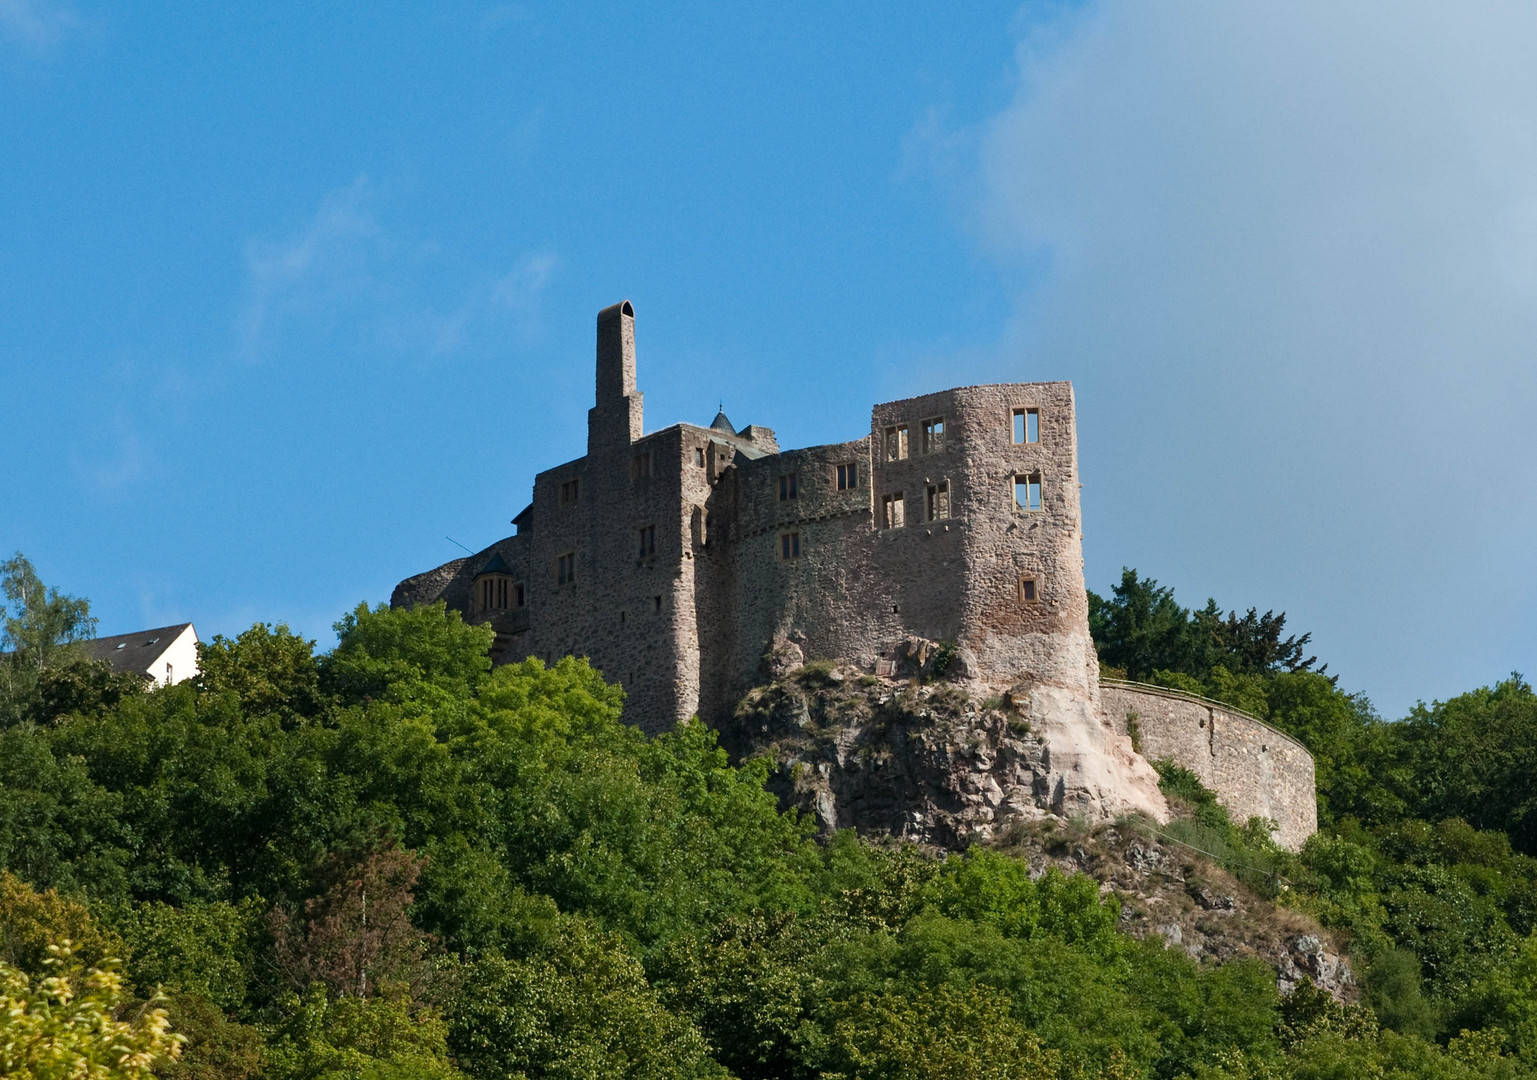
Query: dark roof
(720,423)
(496,565)
(134,652)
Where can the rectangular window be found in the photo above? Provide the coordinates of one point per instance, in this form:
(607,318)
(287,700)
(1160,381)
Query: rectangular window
(1027,425)
(896,443)
(787,487)
(517,594)
(891,511)
(647,540)
(939,500)
(699,457)
(640,466)
(790,545)
(848,477)
(1027,593)
(656,602)
(1027,492)
(565,571)
(568,492)
(934,435)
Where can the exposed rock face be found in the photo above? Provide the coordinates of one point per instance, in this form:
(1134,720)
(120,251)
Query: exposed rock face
(932,763)
(1168,892)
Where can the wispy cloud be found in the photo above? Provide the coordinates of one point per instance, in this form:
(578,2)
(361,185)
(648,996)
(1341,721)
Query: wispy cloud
(37,25)
(1288,249)
(520,289)
(325,264)
(347,277)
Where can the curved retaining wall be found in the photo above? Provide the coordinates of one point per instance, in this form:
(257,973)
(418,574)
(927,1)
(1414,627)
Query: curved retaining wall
(1254,769)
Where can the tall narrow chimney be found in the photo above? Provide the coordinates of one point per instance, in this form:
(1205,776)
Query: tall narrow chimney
(615,419)
(616,352)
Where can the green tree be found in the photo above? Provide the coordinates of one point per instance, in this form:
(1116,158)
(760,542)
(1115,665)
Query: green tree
(39,629)
(37,623)
(1474,756)
(580,1007)
(387,1037)
(1141,629)
(64,1026)
(945,1033)
(269,670)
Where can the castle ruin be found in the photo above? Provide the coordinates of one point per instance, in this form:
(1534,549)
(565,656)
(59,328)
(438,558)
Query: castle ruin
(683,561)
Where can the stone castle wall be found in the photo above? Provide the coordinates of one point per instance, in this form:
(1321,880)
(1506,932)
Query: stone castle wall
(663,558)
(1256,770)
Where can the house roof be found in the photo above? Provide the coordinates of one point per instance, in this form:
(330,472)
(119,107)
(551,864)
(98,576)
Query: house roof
(134,652)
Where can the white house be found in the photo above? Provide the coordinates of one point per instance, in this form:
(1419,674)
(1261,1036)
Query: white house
(165,655)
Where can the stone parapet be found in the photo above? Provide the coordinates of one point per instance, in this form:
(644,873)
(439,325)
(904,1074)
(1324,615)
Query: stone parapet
(1255,769)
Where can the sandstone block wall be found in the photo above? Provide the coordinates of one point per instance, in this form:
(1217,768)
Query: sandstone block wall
(1255,769)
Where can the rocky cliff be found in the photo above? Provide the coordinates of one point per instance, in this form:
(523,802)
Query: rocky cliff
(920,757)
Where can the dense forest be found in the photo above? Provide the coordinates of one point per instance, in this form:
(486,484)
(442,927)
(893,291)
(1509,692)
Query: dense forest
(389,861)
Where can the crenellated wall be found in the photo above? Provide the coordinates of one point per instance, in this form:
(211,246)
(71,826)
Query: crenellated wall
(1256,770)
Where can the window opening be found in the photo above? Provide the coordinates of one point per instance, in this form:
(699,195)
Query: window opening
(647,540)
(848,477)
(657,602)
(1027,425)
(566,569)
(640,466)
(699,457)
(1027,491)
(896,442)
(1027,590)
(934,435)
(939,500)
(891,511)
(517,595)
(788,488)
(790,545)
(568,492)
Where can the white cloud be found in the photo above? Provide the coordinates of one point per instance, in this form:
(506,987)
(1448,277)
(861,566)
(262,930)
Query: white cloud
(327,263)
(347,277)
(1289,254)
(520,289)
(36,24)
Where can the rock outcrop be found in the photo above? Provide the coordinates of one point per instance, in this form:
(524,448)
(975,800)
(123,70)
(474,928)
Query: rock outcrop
(928,761)
(1172,893)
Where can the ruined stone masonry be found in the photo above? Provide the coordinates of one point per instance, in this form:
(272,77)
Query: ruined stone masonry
(690,563)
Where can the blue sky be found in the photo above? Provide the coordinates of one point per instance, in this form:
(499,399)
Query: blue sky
(288,294)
